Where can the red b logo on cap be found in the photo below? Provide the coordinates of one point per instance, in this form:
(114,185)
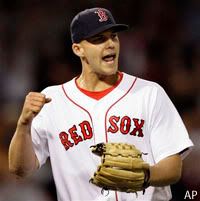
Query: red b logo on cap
(102,15)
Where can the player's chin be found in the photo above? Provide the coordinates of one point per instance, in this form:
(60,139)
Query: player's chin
(110,69)
(108,72)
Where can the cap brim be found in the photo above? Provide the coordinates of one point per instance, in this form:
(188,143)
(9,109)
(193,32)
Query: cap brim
(114,27)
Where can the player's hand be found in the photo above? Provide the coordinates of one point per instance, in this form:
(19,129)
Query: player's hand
(33,104)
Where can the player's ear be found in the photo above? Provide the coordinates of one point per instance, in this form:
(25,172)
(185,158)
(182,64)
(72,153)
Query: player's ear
(77,49)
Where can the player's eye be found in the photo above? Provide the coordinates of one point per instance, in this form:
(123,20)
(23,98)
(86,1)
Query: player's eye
(97,39)
(114,35)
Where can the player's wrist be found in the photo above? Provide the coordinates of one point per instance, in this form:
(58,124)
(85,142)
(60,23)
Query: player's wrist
(22,123)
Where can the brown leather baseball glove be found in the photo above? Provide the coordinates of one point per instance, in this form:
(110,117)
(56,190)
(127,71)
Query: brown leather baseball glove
(122,168)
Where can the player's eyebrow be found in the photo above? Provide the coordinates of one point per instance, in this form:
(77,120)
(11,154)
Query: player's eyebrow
(98,35)
(104,33)
(99,38)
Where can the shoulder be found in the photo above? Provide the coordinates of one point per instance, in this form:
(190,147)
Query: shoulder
(143,84)
(54,90)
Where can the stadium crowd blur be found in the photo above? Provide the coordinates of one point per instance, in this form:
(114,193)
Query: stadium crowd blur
(35,51)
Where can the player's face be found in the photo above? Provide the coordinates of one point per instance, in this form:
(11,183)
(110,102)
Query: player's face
(101,53)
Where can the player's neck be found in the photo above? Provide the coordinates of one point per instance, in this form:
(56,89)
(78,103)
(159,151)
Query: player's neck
(95,82)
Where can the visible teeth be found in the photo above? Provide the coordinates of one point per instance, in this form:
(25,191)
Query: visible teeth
(109,57)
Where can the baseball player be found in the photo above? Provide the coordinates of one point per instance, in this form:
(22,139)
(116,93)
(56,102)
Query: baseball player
(102,105)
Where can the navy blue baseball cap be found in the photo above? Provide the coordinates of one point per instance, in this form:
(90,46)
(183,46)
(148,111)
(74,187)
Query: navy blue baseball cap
(93,21)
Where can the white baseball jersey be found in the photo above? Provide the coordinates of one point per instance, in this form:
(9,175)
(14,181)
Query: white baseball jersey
(137,111)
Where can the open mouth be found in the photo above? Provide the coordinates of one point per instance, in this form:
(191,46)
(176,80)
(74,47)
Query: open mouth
(109,57)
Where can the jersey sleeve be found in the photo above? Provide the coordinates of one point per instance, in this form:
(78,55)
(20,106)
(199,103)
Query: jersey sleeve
(39,135)
(39,139)
(168,134)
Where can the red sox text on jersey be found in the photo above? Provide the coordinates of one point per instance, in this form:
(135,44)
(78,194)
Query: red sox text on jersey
(83,131)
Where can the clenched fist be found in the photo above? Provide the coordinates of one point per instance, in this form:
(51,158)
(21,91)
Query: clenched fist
(34,102)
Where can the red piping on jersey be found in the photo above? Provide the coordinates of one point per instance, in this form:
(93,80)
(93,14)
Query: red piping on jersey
(116,195)
(114,104)
(78,106)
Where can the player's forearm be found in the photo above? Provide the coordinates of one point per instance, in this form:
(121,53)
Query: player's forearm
(22,159)
(166,172)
